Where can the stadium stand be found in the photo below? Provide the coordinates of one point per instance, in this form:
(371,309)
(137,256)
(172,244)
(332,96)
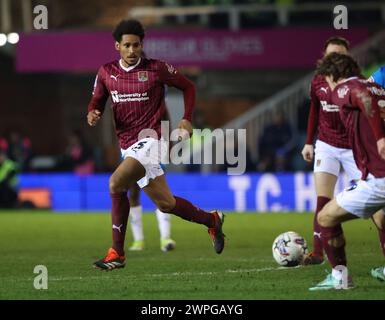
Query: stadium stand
(245,99)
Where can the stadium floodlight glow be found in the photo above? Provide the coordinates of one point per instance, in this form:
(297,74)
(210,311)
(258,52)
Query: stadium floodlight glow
(13,38)
(3,39)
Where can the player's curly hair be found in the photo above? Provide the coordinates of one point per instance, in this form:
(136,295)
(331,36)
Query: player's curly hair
(128,27)
(338,41)
(339,66)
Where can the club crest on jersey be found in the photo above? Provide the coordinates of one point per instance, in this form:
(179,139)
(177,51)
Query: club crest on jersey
(170,68)
(142,76)
(342,92)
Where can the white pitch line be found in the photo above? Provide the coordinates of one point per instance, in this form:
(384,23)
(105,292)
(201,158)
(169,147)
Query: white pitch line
(174,274)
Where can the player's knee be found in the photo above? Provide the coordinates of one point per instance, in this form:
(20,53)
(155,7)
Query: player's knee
(324,219)
(115,186)
(320,218)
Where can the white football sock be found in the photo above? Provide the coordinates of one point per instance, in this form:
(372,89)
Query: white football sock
(164,224)
(136,223)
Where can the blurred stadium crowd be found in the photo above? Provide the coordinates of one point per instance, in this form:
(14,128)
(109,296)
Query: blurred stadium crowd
(52,134)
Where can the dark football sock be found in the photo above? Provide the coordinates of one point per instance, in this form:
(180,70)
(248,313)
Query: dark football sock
(317,241)
(119,213)
(187,211)
(333,241)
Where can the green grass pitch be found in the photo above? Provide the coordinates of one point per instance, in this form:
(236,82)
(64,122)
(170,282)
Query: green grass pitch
(68,244)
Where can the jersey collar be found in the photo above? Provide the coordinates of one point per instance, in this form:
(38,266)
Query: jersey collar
(348,79)
(130,67)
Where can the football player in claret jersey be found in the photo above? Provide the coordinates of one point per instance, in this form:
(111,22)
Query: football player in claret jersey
(136,87)
(332,148)
(359,102)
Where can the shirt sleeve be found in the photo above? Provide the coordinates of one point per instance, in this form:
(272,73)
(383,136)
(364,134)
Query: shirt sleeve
(312,121)
(170,76)
(100,93)
(369,106)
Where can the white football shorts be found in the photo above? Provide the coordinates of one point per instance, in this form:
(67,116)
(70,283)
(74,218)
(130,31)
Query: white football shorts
(365,198)
(149,152)
(329,159)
